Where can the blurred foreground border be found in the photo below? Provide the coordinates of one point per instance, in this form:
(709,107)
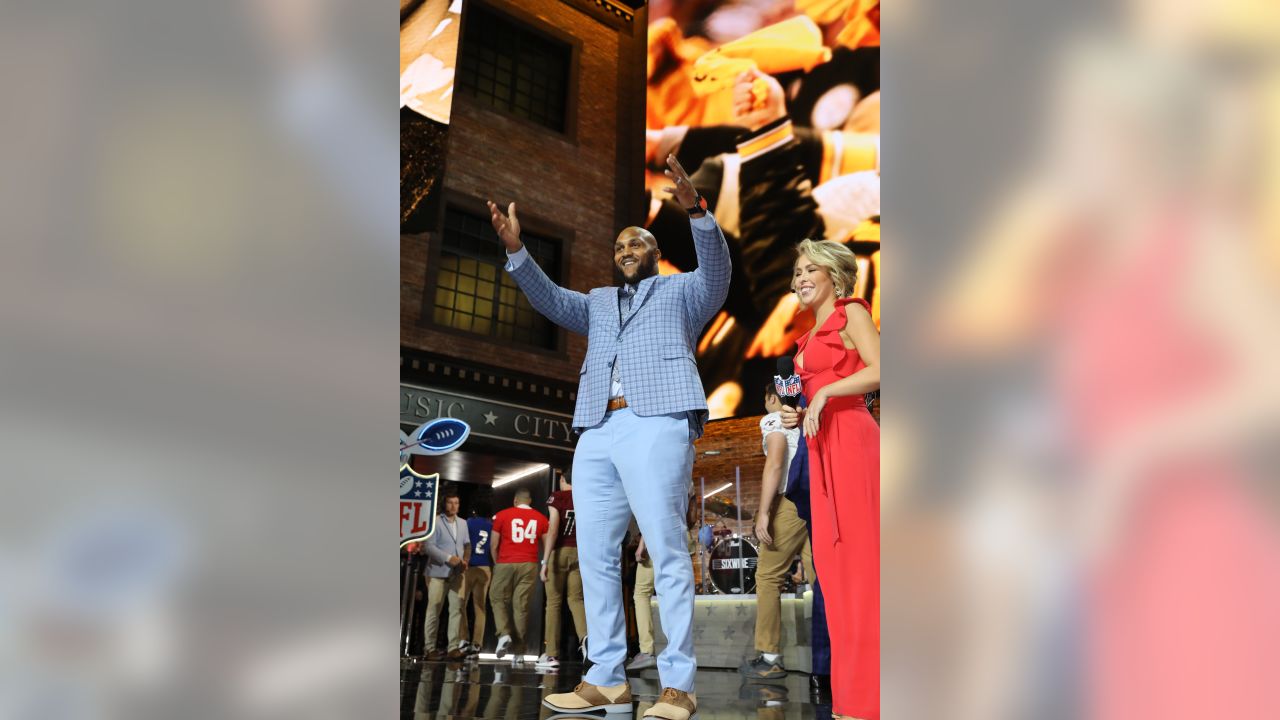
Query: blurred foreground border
(1081,498)
(199,331)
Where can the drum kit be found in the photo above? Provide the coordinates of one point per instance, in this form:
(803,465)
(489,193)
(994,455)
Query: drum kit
(732,560)
(731,557)
(733,565)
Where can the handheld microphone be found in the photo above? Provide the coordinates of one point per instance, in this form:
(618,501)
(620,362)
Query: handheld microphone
(787,383)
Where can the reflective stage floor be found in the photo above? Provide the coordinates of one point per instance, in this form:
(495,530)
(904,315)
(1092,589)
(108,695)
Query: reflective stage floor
(495,689)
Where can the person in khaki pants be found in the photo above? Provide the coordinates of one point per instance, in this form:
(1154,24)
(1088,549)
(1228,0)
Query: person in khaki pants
(448,550)
(782,534)
(644,591)
(478,576)
(516,532)
(644,612)
(560,573)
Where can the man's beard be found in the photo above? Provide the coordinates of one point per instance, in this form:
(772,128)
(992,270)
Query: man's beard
(647,266)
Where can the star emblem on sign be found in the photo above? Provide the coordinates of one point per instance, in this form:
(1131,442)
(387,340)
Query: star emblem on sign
(490,418)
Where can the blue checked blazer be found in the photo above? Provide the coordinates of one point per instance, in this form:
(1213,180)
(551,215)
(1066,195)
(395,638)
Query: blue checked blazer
(654,342)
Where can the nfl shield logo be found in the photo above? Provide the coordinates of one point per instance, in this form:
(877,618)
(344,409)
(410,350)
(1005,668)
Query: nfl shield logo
(793,385)
(417,504)
(788,386)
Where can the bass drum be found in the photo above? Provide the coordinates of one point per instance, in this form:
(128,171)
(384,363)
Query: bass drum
(733,566)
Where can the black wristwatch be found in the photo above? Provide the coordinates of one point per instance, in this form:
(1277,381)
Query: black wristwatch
(699,206)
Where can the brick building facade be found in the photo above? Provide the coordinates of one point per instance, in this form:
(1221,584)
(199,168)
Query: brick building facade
(547,111)
(579,186)
(575,184)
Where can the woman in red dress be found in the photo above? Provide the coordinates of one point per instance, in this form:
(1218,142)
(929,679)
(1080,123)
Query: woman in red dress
(838,363)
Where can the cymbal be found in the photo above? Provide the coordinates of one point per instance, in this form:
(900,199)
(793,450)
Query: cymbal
(725,509)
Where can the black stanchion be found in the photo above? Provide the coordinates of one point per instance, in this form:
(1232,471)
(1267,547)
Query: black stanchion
(410,578)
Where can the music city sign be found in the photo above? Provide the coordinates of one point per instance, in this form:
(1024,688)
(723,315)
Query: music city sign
(488,418)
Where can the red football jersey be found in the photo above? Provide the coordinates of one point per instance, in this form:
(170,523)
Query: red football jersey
(562,501)
(520,528)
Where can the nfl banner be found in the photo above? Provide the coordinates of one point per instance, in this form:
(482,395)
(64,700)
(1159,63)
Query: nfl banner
(417,504)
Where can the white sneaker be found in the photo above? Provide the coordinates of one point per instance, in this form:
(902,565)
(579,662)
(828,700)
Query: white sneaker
(642,661)
(504,642)
(547,662)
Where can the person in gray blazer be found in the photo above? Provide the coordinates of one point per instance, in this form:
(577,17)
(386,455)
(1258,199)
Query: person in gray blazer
(448,551)
(640,407)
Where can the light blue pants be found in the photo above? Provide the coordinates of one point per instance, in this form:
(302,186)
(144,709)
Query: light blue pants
(635,465)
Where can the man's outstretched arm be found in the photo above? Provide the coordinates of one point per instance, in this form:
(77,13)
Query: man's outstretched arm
(710,284)
(564,307)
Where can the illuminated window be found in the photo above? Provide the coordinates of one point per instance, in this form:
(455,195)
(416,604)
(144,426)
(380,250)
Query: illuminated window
(514,69)
(475,294)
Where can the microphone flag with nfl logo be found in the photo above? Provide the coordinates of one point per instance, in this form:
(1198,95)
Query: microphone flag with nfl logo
(788,386)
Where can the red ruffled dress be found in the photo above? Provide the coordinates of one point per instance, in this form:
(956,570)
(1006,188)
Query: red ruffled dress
(1181,613)
(844,487)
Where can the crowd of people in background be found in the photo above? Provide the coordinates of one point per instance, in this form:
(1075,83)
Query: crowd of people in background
(491,564)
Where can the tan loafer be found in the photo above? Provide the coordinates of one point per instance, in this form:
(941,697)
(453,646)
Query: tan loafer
(590,698)
(673,704)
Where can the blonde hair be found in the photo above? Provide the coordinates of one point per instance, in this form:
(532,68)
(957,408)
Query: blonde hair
(836,258)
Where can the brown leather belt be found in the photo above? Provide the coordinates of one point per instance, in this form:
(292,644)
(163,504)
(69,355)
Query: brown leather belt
(617,403)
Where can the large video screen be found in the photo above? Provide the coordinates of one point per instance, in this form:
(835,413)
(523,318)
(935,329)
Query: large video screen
(428,59)
(774,109)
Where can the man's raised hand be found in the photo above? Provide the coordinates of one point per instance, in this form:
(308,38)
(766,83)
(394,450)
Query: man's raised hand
(683,189)
(507,226)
